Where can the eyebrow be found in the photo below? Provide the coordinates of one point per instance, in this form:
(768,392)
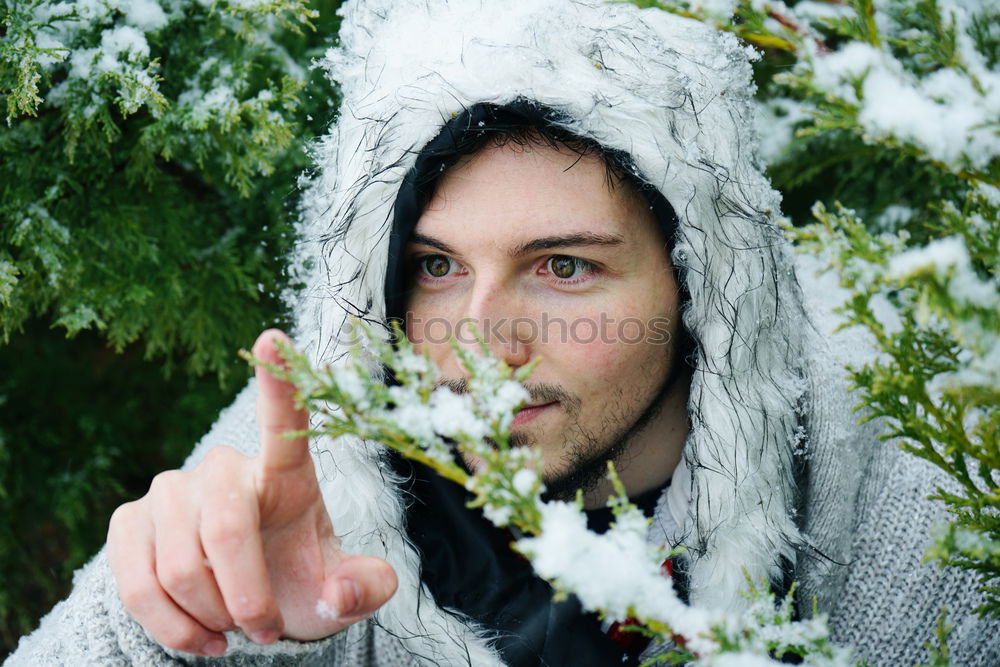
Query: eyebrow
(566,241)
(423,239)
(544,243)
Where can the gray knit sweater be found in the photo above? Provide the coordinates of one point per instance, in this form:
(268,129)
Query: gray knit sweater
(866,510)
(675,96)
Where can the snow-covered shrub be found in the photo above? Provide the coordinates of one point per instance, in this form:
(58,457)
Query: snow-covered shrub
(880,122)
(149,151)
(934,311)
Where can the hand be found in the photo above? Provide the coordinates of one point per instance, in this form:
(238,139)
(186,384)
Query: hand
(242,542)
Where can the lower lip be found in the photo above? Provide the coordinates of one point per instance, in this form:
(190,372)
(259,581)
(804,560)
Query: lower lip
(525,415)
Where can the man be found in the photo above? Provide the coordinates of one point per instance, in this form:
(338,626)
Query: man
(532,162)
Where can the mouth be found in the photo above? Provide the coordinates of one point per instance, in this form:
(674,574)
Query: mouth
(530,412)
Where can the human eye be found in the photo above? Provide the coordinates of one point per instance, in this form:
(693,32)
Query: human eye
(436,267)
(569,269)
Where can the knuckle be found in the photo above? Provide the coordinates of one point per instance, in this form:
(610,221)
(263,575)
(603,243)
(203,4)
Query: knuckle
(165,481)
(275,429)
(220,621)
(252,612)
(226,527)
(123,512)
(137,596)
(178,578)
(121,518)
(180,637)
(221,456)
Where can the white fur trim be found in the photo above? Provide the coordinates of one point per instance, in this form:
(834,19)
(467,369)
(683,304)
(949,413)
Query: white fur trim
(672,93)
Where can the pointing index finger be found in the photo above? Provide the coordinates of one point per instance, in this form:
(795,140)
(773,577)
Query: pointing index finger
(276,412)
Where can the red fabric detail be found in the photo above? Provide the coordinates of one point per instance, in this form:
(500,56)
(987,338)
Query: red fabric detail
(632,641)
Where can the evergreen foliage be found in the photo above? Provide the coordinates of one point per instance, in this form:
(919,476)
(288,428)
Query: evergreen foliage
(141,201)
(82,429)
(149,157)
(881,124)
(150,152)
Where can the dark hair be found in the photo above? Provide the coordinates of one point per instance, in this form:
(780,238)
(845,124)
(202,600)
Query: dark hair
(523,123)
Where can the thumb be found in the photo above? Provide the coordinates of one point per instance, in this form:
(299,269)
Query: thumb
(355,589)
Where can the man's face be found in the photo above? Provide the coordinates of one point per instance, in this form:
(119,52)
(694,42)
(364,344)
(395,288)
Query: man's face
(550,261)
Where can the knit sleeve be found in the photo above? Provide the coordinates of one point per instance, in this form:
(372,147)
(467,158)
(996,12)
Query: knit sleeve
(92,627)
(867,516)
(892,598)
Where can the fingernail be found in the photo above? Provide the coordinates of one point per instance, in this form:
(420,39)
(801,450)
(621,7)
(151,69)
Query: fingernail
(265,636)
(214,647)
(350,597)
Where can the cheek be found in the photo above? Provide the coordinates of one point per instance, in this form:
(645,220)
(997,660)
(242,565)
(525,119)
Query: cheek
(602,349)
(429,329)
(614,361)
(432,339)
(586,345)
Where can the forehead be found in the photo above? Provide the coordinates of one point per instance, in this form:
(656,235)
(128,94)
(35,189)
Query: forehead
(517,191)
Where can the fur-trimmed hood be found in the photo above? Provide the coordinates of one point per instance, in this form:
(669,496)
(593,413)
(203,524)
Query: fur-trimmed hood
(673,94)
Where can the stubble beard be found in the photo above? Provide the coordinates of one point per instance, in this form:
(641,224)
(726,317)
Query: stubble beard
(586,453)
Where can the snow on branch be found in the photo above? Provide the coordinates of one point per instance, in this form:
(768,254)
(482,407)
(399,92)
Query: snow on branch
(616,574)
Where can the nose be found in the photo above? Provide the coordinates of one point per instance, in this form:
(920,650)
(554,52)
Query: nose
(499,312)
